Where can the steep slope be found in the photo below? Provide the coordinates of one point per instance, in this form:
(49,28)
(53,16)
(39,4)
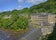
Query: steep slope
(52,36)
(48,6)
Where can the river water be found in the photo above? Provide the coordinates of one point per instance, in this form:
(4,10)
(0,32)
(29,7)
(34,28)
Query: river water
(31,34)
(6,35)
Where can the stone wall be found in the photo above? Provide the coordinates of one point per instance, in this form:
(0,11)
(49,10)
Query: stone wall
(46,21)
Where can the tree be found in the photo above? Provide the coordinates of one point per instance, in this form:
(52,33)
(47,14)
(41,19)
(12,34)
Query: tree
(21,23)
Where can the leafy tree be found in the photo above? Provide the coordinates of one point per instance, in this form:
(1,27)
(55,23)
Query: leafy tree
(21,23)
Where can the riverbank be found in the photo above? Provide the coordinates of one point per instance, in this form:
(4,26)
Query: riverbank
(15,32)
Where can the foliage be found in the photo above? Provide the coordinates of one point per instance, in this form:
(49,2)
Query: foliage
(49,6)
(21,23)
(15,22)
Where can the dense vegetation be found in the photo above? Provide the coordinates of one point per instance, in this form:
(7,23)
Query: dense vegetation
(19,22)
(49,6)
(15,22)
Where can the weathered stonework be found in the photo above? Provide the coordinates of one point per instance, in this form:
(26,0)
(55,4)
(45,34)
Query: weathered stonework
(46,21)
